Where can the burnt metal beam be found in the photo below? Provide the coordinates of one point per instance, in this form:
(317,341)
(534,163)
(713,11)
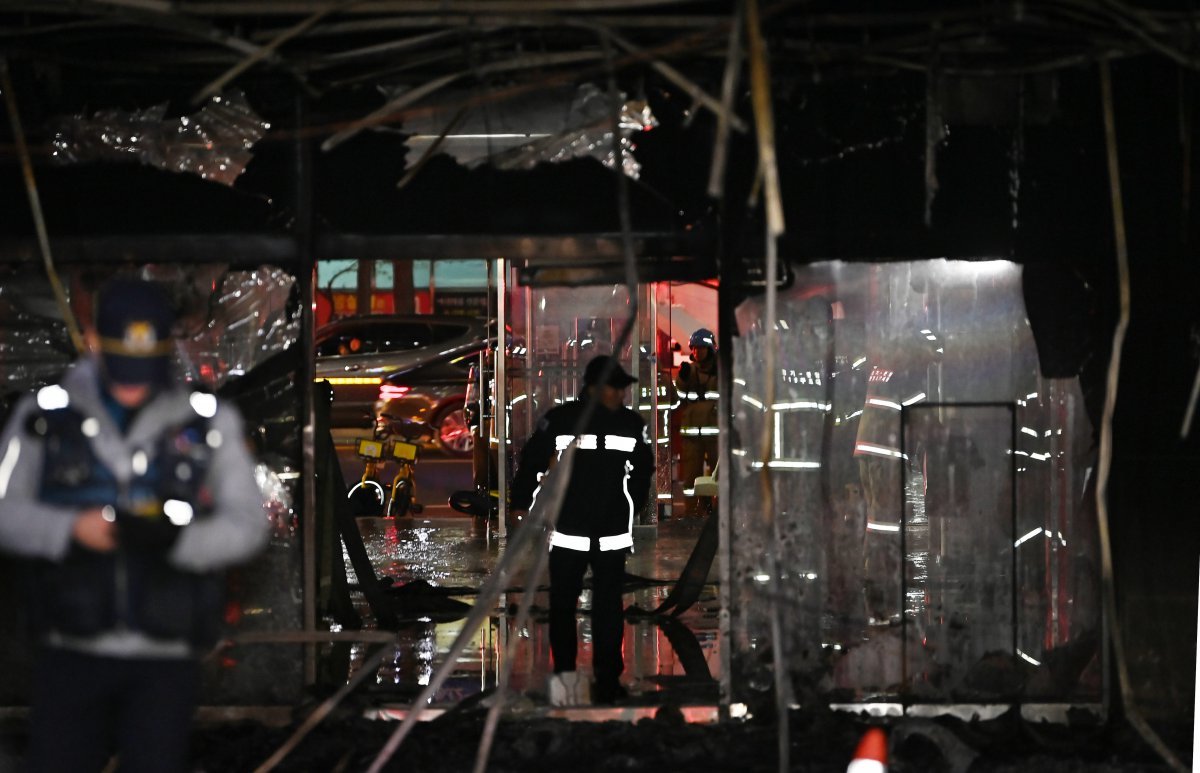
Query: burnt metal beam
(563,249)
(386,7)
(280,249)
(159,248)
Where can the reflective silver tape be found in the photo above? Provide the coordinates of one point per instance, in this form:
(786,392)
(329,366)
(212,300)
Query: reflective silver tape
(616,542)
(11,455)
(570,542)
(620,443)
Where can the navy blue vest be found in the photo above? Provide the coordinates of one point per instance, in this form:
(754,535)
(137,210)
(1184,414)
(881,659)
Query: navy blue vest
(87,592)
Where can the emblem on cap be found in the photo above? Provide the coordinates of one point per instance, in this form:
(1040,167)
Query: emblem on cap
(140,339)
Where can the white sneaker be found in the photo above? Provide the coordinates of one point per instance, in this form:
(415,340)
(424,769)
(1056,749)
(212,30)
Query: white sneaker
(568,688)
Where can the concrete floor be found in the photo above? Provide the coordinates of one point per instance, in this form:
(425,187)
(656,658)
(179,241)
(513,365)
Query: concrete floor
(674,661)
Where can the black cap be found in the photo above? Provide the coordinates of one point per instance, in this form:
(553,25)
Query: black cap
(134,319)
(617,377)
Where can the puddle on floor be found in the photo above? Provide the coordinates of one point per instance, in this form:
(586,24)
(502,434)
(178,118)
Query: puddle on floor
(456,555)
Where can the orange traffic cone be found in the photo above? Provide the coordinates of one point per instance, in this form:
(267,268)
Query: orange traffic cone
(871,754)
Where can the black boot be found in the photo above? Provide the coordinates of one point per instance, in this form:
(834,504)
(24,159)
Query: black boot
(608,691)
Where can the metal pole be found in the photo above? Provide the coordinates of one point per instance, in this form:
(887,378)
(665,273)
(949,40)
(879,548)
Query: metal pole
(635,344)
(654,418)
(765,129)
(364,288)
(306,277)
(501,419)
(1012,494)
(905,413)
(528,428)
(1196,704)
(1104,465)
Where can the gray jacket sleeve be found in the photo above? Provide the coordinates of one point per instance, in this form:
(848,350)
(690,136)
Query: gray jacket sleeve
(27,526)
(237,528)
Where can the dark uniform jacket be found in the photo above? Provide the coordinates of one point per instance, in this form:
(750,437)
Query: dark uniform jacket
(610,479)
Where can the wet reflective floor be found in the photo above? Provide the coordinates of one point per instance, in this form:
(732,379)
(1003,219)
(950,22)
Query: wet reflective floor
(445,560)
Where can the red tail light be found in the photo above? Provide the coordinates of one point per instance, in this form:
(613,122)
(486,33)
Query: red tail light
(391,391)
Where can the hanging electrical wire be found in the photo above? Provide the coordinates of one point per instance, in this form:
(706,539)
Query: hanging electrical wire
(35,207)
(544,513)
(764,123)
(1104,467)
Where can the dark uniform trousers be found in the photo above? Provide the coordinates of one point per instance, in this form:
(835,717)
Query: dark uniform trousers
(567,568)
(83,701)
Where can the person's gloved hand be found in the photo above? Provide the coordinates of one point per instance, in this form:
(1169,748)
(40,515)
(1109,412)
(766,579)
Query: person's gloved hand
(685,370)
(146,533)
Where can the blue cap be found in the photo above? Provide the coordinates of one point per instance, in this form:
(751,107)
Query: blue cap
(134,319)
(703,337)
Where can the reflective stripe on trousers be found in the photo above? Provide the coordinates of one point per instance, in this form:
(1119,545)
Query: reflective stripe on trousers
(584,544)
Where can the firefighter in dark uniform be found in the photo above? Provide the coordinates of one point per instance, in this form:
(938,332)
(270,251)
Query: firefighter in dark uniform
(127,495)
(609,484)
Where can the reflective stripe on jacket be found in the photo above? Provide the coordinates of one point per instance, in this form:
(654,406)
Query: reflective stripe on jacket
(610,481)
(698,395)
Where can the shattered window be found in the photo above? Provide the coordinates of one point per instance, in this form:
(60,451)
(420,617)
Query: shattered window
(909,508)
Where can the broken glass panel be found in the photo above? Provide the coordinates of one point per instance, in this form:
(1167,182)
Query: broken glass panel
(908,506)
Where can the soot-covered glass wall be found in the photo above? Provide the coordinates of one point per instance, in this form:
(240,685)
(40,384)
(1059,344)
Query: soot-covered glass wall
(907,495)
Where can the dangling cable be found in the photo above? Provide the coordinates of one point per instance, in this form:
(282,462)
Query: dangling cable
(764,122)
(1110,400)
(35,207)
(562,471)
(729,85)
(542,517)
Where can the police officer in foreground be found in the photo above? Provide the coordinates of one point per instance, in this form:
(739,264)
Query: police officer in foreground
(609,484)
(697,385)
(129,494)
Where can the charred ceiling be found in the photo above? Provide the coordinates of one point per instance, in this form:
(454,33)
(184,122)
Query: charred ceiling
(190,49)
(959,128)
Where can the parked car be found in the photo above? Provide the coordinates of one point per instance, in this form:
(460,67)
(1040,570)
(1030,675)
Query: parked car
(412,366)
(435,393)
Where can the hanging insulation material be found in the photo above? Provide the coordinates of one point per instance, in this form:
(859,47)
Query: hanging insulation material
(551,125)
(213,143)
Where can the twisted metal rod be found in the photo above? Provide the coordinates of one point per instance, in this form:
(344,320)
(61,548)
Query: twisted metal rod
(35,207)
